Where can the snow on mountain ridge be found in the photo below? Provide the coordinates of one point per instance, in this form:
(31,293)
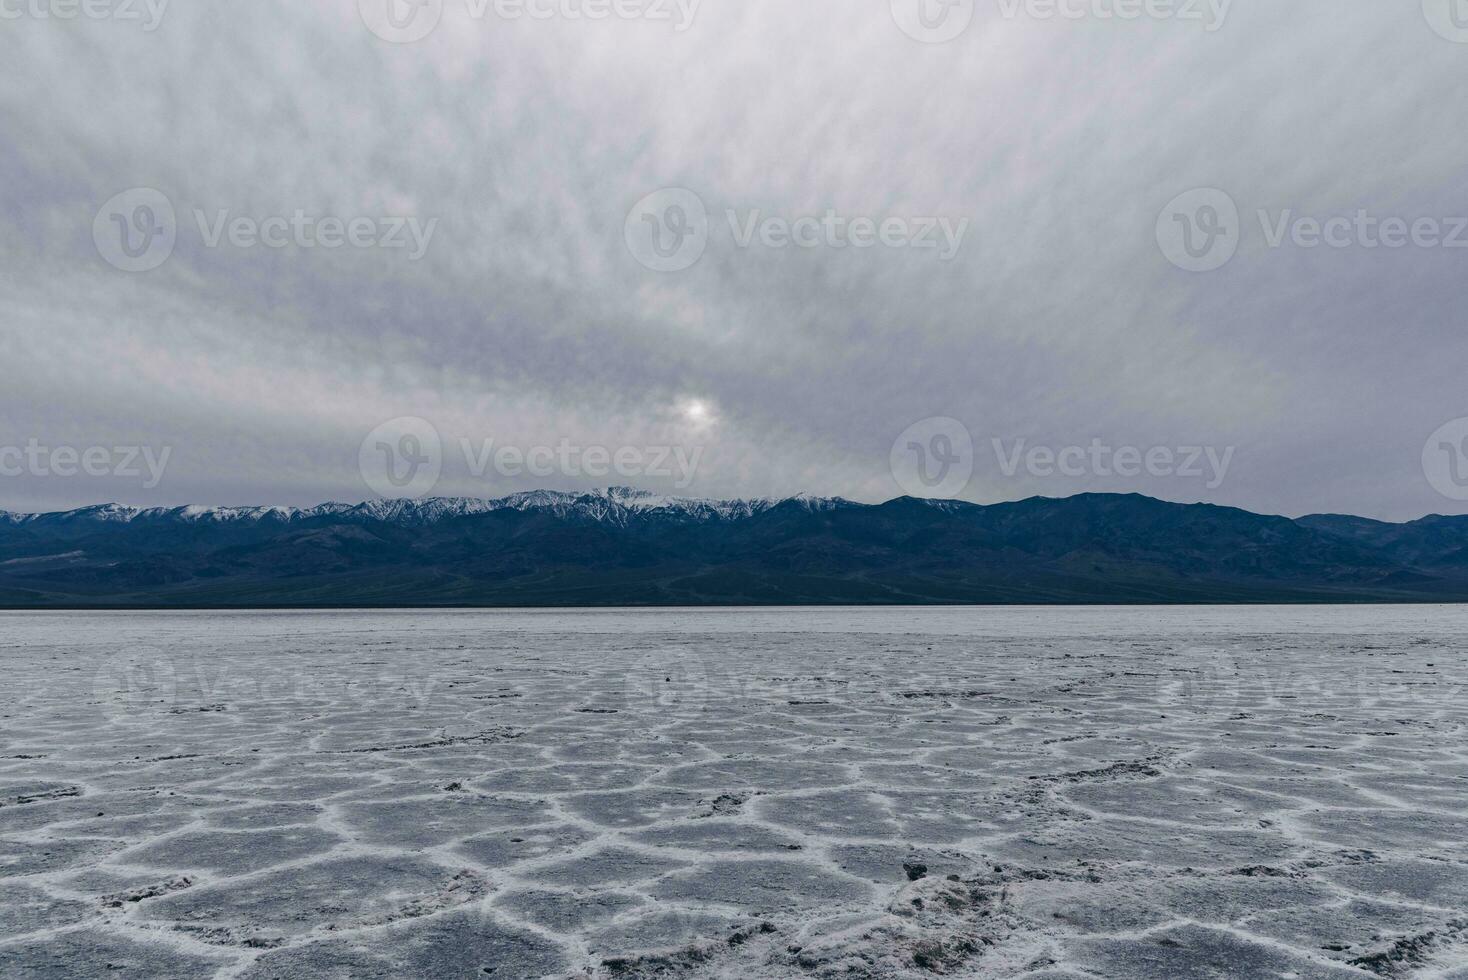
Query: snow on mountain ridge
(615,505)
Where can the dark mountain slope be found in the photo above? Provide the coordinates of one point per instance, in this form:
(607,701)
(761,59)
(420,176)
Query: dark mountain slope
(625,548)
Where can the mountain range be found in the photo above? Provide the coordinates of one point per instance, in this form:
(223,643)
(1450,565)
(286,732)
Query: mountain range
(631,547)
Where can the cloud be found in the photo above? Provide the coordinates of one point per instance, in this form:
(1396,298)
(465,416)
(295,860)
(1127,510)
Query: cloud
(529,321)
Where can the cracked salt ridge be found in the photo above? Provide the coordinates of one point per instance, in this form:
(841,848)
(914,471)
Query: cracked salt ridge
(823,793)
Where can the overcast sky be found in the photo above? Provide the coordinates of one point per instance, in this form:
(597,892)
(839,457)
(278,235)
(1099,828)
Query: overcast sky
(513,157)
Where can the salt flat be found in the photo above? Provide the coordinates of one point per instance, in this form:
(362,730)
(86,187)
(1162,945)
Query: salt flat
(1266,792)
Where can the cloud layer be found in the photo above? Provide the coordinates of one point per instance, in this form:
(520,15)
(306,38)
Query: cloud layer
(528,319)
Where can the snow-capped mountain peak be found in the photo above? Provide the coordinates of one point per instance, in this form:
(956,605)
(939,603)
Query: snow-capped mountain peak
(614,505)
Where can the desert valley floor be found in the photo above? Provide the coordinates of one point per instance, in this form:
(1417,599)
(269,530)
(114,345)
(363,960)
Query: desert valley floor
(1041,793)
